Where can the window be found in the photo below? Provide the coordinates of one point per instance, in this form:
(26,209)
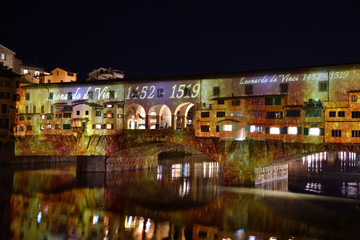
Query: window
(332,114)
(268,101)
(67,115)
(7,84)
(51,95)
(253,129)
(221,101)
(323,86)
(3,56)
(274,115)
(284,87)
(231,114)
(78,113)
(97,126)
(354,98)
(204,128)
(98,113)
(237,114)
(28,117)
(292,113)
(27,96)
(42,109)
(160,92)
(313,113)
(112,94)
(26,109)
(37,73)
(274,130)
(355,114)
(21,128)
(248,89)
(48,117)
(336,133)
(34,109)
(66,126)
(216,91)
(109,126)
(313,132)
(86,113)
(135,93)
(109,115)
(283,130)
(48,126)
(90,95)
(341,114)
(236,103)
(277,101)
(21,118)
(29,127)
(3,108)
(292,130)
(220,114)
(229,128)
(69,96)
(257,101)
(67,108)
(42,116)
(355,133)
(57,126)
(26,71)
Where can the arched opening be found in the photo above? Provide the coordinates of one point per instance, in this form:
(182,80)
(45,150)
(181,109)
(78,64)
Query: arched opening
(159,117)
(184,116)
(135,117)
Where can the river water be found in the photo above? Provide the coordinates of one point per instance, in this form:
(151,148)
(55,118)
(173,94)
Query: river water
(183,198)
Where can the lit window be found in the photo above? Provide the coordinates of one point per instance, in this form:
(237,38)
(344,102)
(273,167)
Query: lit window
(110,115)
(354,98)
(252,128)
(314,131)
(26,71)
(237,114)
(3,56)
(41,126)
(42,116)
(109,106)
(231,114)
(48,126)
(109,126)
(274,130)
(98,126)
(292,130)
(37,73)
(227,128)
(98,113)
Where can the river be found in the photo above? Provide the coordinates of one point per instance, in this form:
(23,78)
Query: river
(183,198)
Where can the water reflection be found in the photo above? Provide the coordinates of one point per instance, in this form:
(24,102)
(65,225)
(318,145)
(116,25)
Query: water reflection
(180,199)
(327,173)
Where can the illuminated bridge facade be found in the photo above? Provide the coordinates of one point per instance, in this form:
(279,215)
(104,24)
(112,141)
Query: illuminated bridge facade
(310,105)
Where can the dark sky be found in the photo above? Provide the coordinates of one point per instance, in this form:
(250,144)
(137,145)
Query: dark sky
(153,38)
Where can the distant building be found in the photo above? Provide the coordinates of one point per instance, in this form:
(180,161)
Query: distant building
(8,84)
(58,75)
(7,57)
(105,74)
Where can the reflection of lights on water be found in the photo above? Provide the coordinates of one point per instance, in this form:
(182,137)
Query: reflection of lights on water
(140,227)
(159,172)
(130,222)
(273,238)
(184,188)
(350,189)
(147,225)
(252,238)
(38,218)
(314,187)
(95,219)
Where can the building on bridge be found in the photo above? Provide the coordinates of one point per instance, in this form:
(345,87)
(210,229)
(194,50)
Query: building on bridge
(279,104)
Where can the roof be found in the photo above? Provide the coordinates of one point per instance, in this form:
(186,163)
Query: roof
(7,49)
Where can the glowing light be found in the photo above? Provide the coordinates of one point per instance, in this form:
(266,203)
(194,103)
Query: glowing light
(252,128)
(227,128)
(274,130)
(292,130)
(147,225)
(38,218)
(95,219)
(314,132)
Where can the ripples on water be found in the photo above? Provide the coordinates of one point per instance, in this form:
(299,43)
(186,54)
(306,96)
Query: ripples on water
(183,198)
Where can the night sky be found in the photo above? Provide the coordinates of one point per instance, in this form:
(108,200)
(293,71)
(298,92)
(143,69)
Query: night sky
(156,38)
